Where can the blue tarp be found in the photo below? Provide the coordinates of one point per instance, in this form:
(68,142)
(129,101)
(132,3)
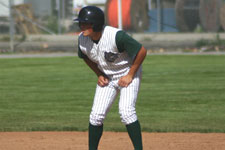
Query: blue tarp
(168,20)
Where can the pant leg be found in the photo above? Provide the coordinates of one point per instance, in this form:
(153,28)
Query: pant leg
(128,98)
(103,100)
(127,110)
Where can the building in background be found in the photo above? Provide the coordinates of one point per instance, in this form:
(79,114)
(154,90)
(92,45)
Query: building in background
(78,4)
(4,15)
(40,7)
(137,15)
(4,7)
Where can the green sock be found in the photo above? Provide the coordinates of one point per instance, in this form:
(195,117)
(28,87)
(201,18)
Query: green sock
(95,133)
(134,131)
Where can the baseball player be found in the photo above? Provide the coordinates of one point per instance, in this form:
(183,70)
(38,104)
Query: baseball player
(116,59)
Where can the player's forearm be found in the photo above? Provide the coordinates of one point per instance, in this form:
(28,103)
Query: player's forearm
(93,67)
(137,61)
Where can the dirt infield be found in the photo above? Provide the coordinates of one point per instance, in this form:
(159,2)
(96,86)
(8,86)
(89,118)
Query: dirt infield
(110,141)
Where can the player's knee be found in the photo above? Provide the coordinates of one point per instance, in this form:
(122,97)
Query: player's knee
(96,119)
(128,116)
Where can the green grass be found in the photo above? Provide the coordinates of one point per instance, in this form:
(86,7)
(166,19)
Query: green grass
(178,94)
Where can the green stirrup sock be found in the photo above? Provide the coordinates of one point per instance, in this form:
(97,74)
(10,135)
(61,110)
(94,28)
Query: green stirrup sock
(134,131)
(95,133)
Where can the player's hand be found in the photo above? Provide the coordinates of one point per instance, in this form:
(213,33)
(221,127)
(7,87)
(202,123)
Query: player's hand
(103,81)
(125,81)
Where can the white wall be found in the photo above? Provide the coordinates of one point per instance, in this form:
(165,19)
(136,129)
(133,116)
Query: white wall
(40,7)
(4,4)
(78,4)
(88,2)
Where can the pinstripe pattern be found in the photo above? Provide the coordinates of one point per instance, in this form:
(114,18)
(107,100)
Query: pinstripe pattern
(127,102)
(107,43)
(103,100)
(105,96)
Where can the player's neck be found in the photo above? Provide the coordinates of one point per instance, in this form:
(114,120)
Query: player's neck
(96,36)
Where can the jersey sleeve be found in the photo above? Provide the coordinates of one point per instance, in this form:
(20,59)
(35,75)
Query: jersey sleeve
(80,53)
(126,43)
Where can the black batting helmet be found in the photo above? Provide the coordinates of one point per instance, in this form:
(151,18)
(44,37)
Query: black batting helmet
(93,15)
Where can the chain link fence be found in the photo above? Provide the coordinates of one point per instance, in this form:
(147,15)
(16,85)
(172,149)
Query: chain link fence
(22,18)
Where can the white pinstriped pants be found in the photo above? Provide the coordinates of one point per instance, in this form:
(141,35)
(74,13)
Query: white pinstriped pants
(105,96)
